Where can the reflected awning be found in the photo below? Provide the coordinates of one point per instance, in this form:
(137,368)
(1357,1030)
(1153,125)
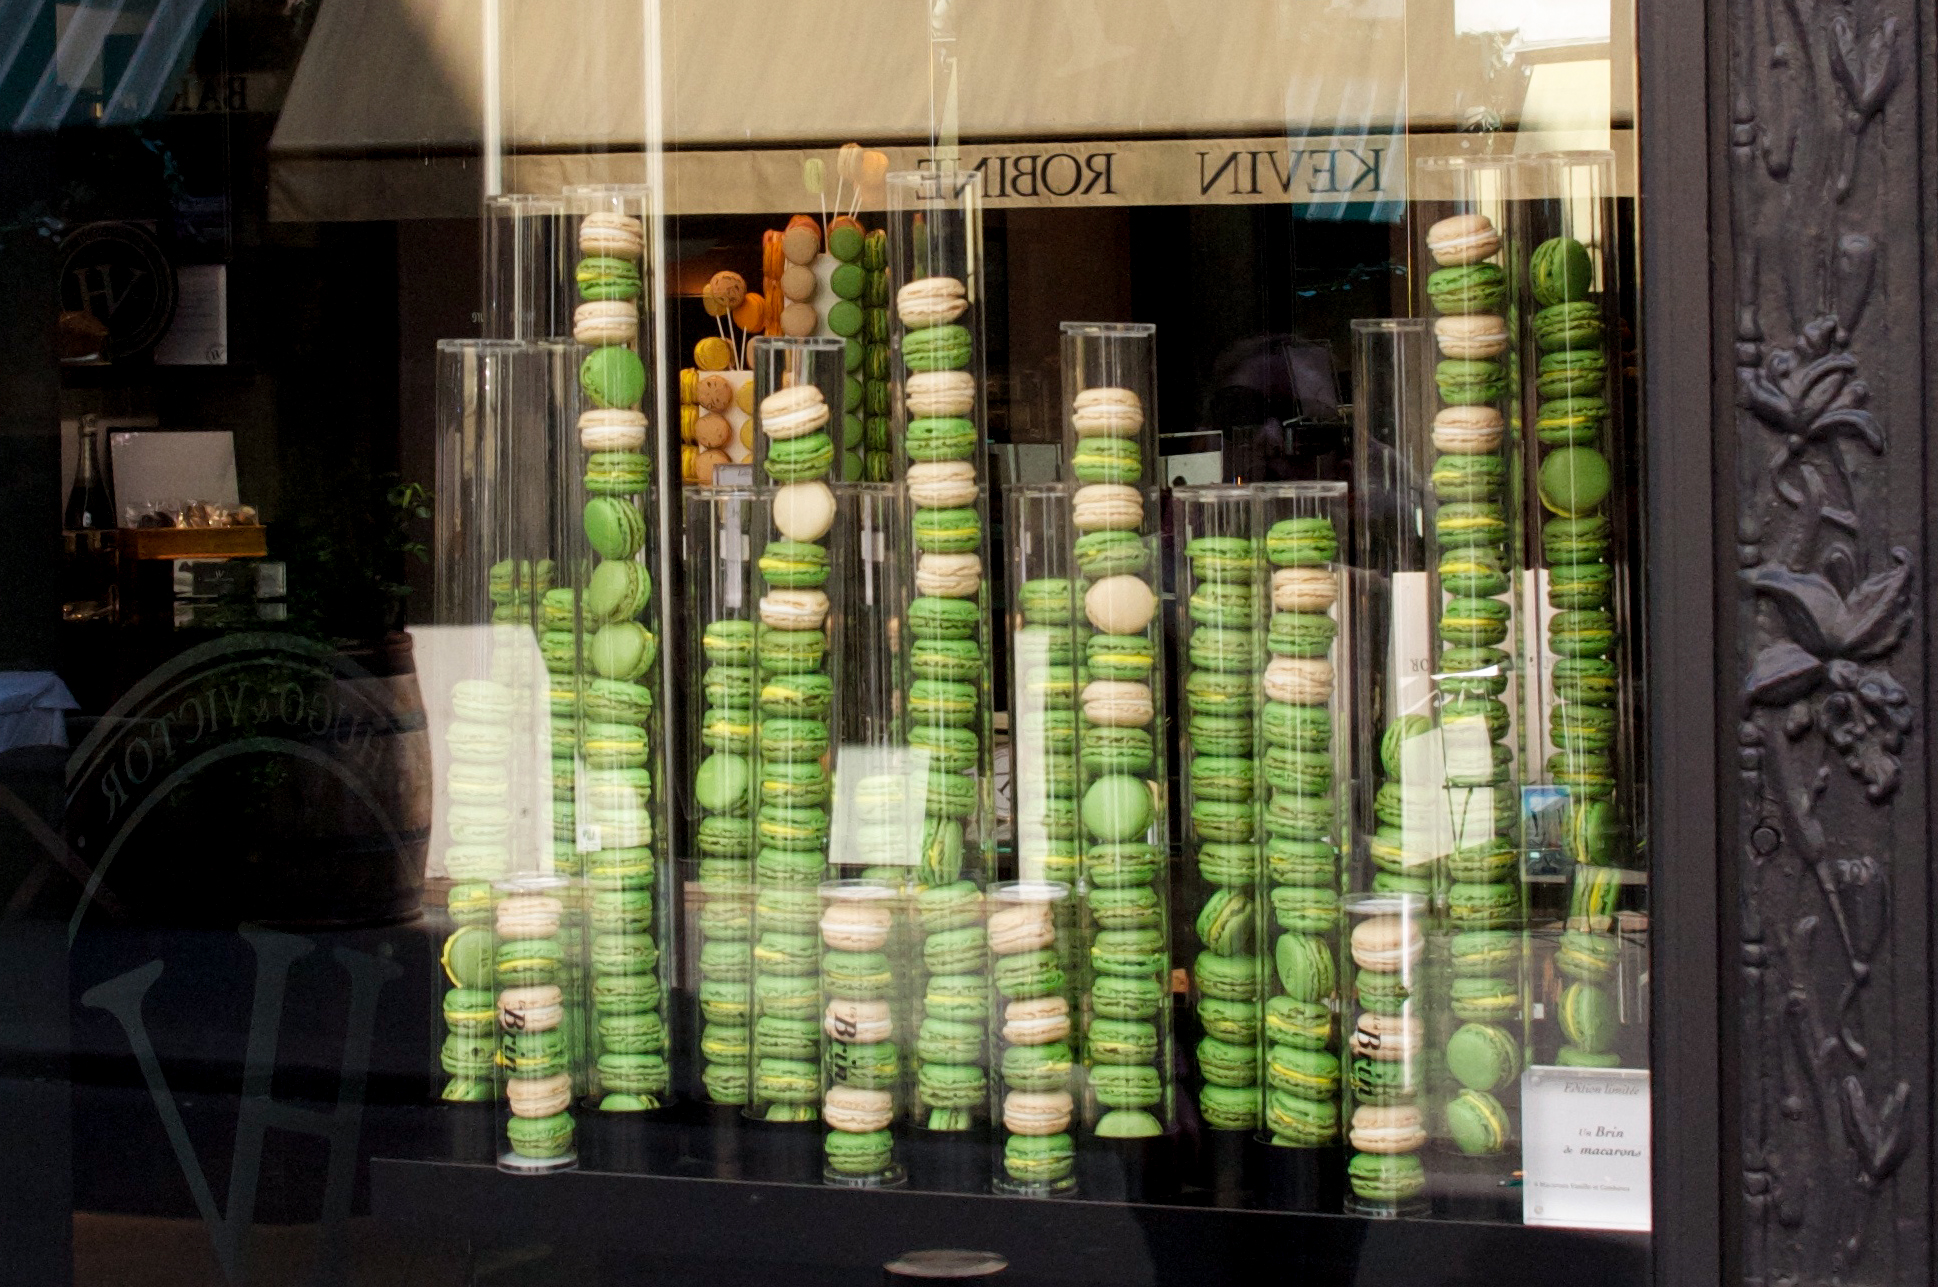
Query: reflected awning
(1063,101)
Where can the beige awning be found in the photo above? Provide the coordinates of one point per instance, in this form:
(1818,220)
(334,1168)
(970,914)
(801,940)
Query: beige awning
(386,115)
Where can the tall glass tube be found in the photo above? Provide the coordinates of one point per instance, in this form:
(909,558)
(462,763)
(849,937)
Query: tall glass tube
(797,396)
(1471,215)
(615,617)
(527,267)
(1035,947)
(1215,561)
(1110,450)
(1581,706)
(721,793)
(1400,830)
(937,282)
(1304,771)
(492,814)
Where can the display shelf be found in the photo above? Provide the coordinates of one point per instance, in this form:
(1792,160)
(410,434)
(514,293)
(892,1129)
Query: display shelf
(783,1233)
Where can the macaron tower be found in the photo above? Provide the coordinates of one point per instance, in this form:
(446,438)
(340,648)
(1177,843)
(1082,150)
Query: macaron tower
(1304,773)
(619,744)
(1217,574)
(870,348)
(1474,302)
(1576,685)
(723,791)
(1033,1034)
(930,318)
(536,1052)
(797,385)
(1110,446)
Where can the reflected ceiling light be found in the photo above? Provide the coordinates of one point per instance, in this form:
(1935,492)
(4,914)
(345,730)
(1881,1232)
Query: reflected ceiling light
(1535,24)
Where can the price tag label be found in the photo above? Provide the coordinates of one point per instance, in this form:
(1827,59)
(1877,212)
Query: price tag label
(1585,1147)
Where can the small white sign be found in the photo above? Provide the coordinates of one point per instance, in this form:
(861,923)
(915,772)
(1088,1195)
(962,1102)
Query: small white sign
(1585,1147)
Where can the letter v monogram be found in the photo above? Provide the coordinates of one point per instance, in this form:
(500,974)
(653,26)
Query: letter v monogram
(122,997)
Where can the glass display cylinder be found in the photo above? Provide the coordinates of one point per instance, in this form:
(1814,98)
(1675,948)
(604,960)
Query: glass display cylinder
(1217,574)
(527,266)
(793,528)
(492,809)
(1110,440)
(1581,705)
(1379,973)
(937,288)
(720,790)
(1035,945)
(800,429)
(539,934)
(866,945)
(1304,771)
(612,543)
(1043,611)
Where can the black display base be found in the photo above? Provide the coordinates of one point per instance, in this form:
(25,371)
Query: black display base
(630,1141)
(1222,1167)
(715,1139)
(466,1133)
(1134,1170)
(781,1152)
(1299,1179)
(947,1161)
(1461,1187)
(785,1236)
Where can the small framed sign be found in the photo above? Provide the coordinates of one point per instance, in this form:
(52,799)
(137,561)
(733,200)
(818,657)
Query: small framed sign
(1585,1147)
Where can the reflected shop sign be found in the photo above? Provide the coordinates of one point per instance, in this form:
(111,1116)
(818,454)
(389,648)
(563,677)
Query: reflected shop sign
(1321,176)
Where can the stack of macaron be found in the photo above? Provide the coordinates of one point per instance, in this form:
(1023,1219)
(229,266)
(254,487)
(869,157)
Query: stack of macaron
(857,1035)
(1220,786)
(787,277)
(1385,1049)
(864,268)
(716,421)
(1481,890)
(1033,1033)
(613,733)
(792,709)
(1121,756)
(725,797)
(947,702)
(1298,890)
(530,972)
(1574,482)
(477,852)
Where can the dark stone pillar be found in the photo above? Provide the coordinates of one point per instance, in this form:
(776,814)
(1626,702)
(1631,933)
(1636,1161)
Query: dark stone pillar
(1822,172)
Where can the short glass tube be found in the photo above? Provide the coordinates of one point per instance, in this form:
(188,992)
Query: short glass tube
(1043,667)
(1110,439)
(1218,574)
(1036,954)
(866,941)
(719,791)
(1380,964)
(539,929)
(1304,771)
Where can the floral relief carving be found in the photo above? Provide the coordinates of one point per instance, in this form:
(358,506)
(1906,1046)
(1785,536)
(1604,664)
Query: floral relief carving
(1826,606)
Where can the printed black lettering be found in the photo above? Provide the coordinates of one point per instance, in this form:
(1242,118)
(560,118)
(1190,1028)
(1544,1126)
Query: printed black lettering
(1369,169)
(1096,173)
(1076,174)
(1331,171)
(1019,172)
(1206,183)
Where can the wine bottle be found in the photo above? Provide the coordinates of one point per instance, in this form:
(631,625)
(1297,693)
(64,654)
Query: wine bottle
(87,500)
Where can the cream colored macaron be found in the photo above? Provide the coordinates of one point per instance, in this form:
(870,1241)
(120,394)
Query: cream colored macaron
(1107,412)
(855,926)
(1022,928)
(942,484)
(1120,605)
(1463,239)
(794,609)
(1471,335)
(939,393)
(793,412)
(615,236)
(1036,1021)
(804,511)
(1118,703)
(948,576)
(1387,944)
(1107,507)
(1468,431)
(1304,589)
(1387,1128)
(606,321)
(1302,681)
(931,301)
(612,429)
(850,1108)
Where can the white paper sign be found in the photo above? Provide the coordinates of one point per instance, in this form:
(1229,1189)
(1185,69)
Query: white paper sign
(1585,1147)
(1410,658)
